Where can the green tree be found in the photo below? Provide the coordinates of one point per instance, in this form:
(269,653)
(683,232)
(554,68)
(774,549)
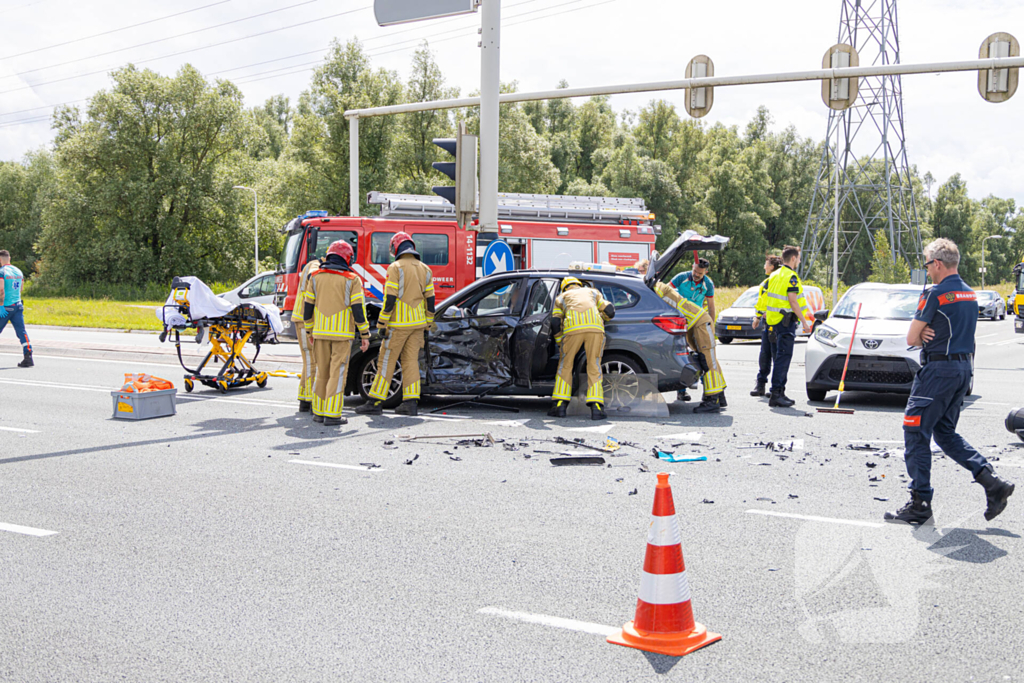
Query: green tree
(883,267)
(25,189)
(952,218)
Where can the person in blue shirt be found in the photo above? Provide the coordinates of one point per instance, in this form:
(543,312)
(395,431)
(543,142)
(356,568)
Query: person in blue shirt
(944,325)
(12,308)
(696,286)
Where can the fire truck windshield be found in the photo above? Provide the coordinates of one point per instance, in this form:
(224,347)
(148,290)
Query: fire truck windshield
(291,253)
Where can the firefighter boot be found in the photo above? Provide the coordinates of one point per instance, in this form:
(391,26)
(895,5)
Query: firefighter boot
(557,410)
(721,400)
(597,412)
(916,511)
(681,395)
(709,405)
(758,389)
(408,408)
(780,400)
(318,418)
(26,361)
(996,491)
(370,408)
(305,406)
(335,421)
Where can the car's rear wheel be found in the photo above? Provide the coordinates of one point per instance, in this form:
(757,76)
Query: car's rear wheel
(816,394)
(725,340)
(621,381)
(368,370)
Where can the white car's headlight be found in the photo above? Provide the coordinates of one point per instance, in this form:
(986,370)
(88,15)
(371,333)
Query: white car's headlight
(826,335)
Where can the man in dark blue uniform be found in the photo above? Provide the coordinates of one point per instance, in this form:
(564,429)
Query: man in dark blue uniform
(946,318)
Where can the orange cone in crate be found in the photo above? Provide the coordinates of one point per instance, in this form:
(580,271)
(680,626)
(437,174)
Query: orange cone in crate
(664,616)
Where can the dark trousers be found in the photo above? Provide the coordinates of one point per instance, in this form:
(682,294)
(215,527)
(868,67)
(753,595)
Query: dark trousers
(933,411)
(782,340)
(16,316)
(764,360)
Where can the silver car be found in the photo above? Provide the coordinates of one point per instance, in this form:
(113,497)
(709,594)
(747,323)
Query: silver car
(991,305)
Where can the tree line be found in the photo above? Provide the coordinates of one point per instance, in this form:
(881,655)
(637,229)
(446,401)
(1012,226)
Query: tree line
(137,185)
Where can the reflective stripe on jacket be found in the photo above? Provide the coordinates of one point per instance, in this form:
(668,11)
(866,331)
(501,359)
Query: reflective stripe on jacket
(777,296)
(581,310)
(411,283)
(333,296)
(689,310)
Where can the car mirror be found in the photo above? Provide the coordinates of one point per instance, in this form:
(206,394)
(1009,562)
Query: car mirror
(244,292)
(452,313)
(822,315)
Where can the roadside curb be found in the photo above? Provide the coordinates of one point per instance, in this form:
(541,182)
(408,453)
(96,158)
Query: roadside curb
(163,355)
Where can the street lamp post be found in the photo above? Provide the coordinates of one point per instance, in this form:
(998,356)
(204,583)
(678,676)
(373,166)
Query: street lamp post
(256,224)
(990,237)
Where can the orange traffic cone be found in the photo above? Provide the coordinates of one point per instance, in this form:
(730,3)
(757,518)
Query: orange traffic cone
(664,617)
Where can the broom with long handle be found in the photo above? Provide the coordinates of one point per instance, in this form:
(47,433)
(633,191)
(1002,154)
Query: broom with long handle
(842,380)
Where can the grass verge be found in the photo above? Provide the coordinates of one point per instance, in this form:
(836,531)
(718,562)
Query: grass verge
(92,313)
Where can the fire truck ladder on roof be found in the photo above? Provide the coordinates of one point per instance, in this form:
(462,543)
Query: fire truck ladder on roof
(511,205)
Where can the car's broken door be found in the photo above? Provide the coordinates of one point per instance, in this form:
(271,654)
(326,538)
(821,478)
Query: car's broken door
(471,350)
(536,358)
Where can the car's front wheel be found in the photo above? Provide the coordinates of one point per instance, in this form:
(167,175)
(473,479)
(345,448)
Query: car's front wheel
(816,394)
(368,370)
(725,340)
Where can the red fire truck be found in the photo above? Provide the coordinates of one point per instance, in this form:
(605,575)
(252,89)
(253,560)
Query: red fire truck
(542,231)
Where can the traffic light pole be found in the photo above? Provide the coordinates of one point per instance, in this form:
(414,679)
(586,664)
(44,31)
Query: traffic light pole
(490,87)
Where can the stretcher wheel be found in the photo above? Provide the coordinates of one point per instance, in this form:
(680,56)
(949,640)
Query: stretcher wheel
(189,386)
(222,386)
(261,380)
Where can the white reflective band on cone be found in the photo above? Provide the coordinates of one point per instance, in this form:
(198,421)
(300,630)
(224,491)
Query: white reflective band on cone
(664,531)
(664,589)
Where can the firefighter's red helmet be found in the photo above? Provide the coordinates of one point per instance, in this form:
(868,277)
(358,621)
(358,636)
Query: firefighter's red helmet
(398,240)
(342,249)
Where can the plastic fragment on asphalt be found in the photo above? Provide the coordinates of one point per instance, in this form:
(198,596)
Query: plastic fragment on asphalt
(871,464)
(370,465)
(881,499)
(708,502)
(793,496)
(644,467)
(455,458)
(685,437)
(414,459)
(578,460)
(632,493)
(611,444)
(673,457)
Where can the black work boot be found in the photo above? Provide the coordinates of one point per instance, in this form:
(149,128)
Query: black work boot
(318,418)
(410,407)
(758,389)
(370,408)
(557,410)
(335,421)
(597,412)
(26,362)
(721,400)
(916,511)
(305,406)
(709,405)
(681,395)
(780,400)
(996,491)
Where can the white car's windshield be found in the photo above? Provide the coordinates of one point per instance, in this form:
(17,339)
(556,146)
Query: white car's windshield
(987,296)
(890,304)
(747,299)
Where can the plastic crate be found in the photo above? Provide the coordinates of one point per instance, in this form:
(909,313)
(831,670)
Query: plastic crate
(145,405)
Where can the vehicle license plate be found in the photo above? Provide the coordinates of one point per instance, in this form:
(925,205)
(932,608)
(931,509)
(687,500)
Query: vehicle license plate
(734,327)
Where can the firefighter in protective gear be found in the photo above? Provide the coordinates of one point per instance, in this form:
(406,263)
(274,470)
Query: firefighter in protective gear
(308,363)
(408,313)
(332,311)
(701,337)
(785,305)
(578,322)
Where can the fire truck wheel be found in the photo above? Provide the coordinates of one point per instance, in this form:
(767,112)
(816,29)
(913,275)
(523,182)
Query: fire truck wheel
(368,370)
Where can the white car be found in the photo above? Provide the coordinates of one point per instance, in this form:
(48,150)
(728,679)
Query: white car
(880,360)
(737,321)
(255,290)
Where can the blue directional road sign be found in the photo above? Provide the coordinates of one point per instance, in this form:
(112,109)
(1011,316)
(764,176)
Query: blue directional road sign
(498,258)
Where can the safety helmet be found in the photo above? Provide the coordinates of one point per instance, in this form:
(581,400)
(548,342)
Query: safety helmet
(570,282)
(343,249)
(397,243)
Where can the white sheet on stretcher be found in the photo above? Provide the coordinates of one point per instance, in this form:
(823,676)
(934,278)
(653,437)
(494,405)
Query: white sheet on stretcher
(203,303)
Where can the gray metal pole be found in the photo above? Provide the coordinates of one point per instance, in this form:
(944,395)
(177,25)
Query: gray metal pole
(983,262)
(353,166)
(490,89)
(835,227)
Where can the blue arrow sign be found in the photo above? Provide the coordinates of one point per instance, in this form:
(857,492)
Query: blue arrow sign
(498,258)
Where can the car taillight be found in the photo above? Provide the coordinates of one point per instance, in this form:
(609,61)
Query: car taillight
(672,324)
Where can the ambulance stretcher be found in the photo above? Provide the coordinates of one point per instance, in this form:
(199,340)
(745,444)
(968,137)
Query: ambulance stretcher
(226,326)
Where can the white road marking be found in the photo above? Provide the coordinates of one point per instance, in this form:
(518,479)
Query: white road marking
(1011,464)
(1004,343)
(361,468)
(27,530)
(557,622)
(98,360)
(986,403)
(51,385)
(811,518)
(509,423)
(603,429)
(690,437)
(15,429)
(986,336)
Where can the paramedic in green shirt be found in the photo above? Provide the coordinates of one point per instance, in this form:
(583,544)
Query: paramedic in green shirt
(696,286)
(12,309)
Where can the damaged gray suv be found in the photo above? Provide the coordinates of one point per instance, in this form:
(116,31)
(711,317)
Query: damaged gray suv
(494,336)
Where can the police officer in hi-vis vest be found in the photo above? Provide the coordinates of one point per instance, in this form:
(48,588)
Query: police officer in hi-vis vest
(701,337)
(944,326)
(408,312)
(764,359)
(333,301)
(785,307)
(578,322)
(308,362)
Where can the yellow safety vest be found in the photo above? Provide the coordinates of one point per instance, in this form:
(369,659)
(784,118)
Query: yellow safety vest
(777,296)
(762,299)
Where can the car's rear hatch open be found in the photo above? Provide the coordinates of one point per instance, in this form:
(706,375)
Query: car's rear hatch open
(684,246)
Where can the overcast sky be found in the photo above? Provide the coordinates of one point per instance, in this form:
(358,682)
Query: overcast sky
(949,128)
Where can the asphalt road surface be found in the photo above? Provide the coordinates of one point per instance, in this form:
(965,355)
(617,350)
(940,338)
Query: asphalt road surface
(239,541)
